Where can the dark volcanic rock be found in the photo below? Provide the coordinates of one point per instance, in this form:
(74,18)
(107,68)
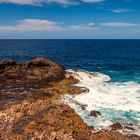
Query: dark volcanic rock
(116,126)
(95,113)
(129,128)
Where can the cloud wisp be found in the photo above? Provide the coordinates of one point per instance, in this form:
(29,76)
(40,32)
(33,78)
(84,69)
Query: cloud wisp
(33,25)
(27,25)
(118,24)
(93,1)
(40,2)
(120,10)
(82,27)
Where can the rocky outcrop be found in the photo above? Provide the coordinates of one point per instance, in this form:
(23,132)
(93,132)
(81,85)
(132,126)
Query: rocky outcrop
(40,119)
(6,63)
(37,71)
(30,106)
(18,79)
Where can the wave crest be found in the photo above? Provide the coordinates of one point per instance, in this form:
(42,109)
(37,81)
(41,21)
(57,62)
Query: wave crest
(118,102)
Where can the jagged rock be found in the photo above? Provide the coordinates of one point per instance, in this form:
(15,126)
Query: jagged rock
(95,113)
(92,127)
(40,62)
(129,128)
(116,126)
(6,63)
(83,107)
(32,73)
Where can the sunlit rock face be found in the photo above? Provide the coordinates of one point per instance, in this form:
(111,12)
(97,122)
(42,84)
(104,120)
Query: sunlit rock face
(38,69)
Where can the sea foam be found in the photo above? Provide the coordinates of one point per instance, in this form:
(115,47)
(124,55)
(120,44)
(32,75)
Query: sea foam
(117,102)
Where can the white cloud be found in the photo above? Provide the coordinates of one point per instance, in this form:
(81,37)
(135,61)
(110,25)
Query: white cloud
(120,10)
(82,27)
(34,2)
(65,2)
(39,2)
(22,2)
(27,25)
(117,24)
(33,25)
(93,1)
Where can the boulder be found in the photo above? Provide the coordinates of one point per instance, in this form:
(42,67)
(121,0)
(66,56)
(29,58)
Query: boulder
(116,126)
(95,113)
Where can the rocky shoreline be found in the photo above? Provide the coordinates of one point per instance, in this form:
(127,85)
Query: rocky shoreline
(30,106)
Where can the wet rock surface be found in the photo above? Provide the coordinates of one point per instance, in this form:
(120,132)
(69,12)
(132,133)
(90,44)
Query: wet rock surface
(116,126)
(95,113)
(30,106)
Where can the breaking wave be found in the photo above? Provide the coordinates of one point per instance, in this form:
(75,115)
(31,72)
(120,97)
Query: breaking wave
(117,102)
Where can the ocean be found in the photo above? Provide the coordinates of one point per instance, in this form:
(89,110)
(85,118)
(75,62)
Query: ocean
(110,69)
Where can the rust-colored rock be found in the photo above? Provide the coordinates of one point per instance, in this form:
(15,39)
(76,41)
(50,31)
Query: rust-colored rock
(40,119)
(40,62)
(30,106)
(116,126)
(106,135)
(5,63)
(38,71)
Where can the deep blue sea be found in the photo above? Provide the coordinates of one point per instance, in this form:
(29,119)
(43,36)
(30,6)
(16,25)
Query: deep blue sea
(115,92)
(118,58)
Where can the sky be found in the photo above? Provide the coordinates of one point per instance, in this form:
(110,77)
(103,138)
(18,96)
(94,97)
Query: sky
(69,19)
